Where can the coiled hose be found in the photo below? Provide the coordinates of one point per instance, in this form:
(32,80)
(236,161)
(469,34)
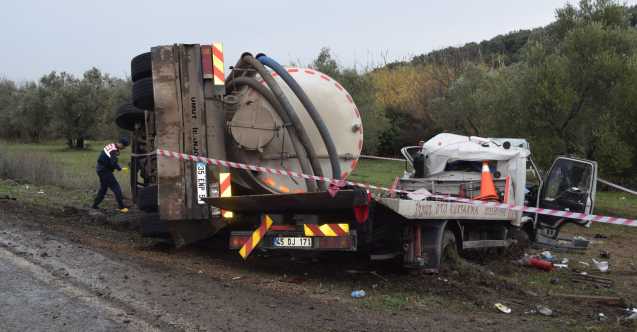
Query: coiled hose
(314,114)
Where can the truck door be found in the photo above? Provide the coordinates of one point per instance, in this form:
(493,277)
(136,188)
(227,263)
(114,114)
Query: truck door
(569,185)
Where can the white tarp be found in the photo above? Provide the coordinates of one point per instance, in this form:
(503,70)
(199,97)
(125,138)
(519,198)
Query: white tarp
(446,148)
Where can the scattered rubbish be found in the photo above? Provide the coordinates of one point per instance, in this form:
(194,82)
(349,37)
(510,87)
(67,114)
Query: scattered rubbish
(600,236)
(561,266)
(604,254)
(236,278)
(546,255)
(40,191)
(608,300)
(503,308)
(580,242)
(602,266)
(601,317)
(555,280)
(200,272)
(598,281)
(544,310)
(631,314)
(357,294)
(540,264)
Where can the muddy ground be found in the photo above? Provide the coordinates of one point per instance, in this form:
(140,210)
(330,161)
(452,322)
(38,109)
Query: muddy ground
(62,269)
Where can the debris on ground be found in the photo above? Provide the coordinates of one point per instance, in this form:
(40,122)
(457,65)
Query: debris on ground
(540,264)
(543,310)
(583,277)
(601,317)
(600,236)
(604,254)
(547,255)
(580,242)
(602,266)
(631,314)
(357,294)
(608,300)
(503,308)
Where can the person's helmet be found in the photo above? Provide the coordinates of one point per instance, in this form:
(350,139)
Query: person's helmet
(124,141)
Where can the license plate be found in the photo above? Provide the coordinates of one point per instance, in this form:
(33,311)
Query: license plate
(292,242)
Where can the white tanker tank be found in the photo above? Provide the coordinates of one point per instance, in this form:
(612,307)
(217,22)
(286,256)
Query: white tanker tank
(259,135)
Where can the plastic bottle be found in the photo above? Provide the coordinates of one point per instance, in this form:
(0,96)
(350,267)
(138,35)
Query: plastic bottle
(357,294)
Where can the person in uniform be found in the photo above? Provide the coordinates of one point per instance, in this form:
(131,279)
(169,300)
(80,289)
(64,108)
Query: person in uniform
(106,165)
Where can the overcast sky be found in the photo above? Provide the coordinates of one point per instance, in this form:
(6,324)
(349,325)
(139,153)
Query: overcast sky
(72,36)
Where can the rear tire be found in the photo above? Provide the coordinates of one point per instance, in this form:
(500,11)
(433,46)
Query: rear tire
(147,199)
(140,67)
(143,94)
(128,115)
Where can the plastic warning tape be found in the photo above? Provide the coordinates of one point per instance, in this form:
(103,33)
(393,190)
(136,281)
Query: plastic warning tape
(341,183)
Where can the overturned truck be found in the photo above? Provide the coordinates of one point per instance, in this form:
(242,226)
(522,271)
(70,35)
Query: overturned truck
(300,121)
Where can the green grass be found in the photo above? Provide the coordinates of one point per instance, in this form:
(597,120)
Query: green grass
(378,172)
(77,165)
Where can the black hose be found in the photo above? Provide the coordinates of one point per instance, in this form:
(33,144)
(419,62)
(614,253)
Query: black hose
(287,107)
(306,167)
(314,114)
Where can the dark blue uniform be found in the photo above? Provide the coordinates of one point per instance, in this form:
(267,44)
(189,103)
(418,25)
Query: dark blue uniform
(106,164)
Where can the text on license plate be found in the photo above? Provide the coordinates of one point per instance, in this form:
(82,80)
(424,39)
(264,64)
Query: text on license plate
(292,242)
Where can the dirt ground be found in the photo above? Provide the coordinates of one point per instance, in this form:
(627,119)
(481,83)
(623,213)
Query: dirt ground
(63,269)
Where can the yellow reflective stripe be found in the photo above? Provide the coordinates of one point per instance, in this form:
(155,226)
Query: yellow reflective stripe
(327,230)
(307,231)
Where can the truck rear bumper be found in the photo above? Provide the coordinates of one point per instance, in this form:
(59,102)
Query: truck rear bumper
(296,240)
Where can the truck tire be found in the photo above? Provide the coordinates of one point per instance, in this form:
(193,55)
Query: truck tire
(140,67)
(128,115)
(143,94)
(147,199)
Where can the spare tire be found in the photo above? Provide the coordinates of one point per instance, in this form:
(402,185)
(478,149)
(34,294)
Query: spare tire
(143,94)
(128,115)
(140,67)
(147,198)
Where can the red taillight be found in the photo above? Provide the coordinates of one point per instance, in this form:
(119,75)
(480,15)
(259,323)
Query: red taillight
(237,241)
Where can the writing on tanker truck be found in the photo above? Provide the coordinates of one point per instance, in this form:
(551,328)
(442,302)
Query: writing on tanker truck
(301,120)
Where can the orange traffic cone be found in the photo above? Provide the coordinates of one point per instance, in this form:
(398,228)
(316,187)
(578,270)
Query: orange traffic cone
(487,187)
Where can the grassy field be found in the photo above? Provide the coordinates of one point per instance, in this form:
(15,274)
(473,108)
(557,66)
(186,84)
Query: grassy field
(63,176)
(75,180)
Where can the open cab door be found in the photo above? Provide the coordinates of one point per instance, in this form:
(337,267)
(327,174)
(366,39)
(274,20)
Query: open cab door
(569,185)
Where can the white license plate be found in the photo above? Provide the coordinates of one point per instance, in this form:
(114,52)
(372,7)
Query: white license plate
(292,242)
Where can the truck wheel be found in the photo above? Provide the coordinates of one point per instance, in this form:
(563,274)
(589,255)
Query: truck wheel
(147,199)
(450,253)
(140,67)
(128,115)
(143,94)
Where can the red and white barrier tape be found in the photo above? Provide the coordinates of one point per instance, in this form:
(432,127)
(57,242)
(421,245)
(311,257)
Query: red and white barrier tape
(340,183)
